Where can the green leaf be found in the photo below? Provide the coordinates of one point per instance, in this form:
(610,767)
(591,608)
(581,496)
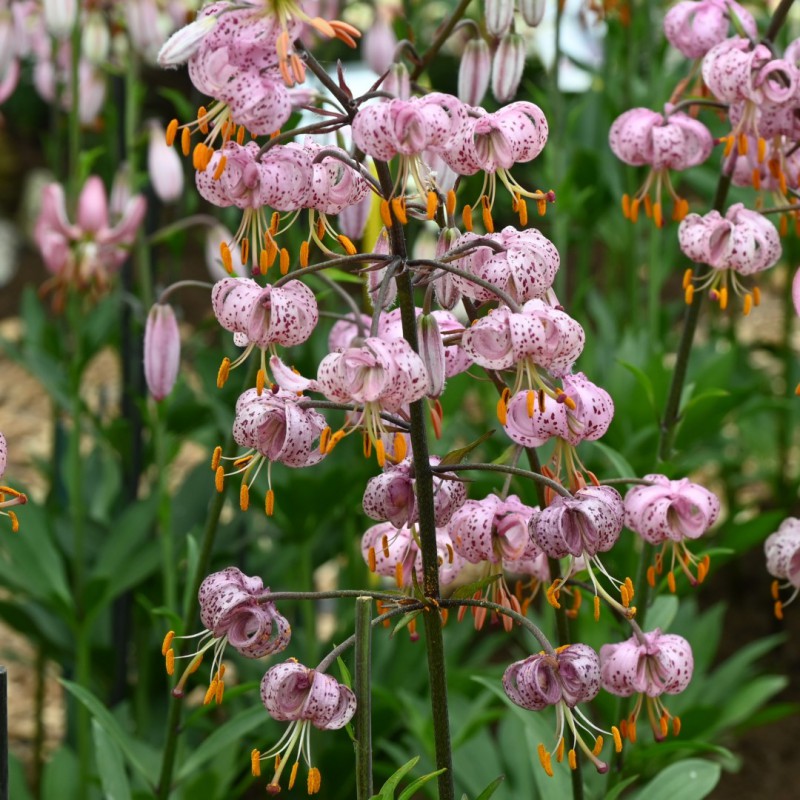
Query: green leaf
(467,591)
(620,787)
(412,787)
(113,729)
(110,765)
(392,782)
(643,379)
(347,680)
(691,779)
(457,456)
(17,787)
(60,779)
(618,461)
(491,788)
(404,620)
(662,612)
(234,730)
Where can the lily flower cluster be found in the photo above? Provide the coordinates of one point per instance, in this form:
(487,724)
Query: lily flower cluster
(758,89)
(9,497)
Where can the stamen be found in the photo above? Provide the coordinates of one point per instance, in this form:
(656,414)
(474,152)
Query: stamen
(632,731)
(349,247)
(626,600)
(186,141)
(572,760)
(202,120)
(400,448)
(167,642)
(219,479)
(756,296)
(255,762)
(244,497)
(386,215)
(634,210)
(687,278)
(269,503)
(466,216)
(762,149)
(260,380)
(775,589)
(398,574)
(372,561)
(778,609)
(702,572)
(522,210)
(240,135)
(274,222)
(399,210)
(783,225)
(502,412)
(748,304)
(488,222)
(596,608)
(617,738)
(211,692)
(172,130)
(671,581)
(451,203)
(293,774)
(245,250)
(530,400)
(314,779)
(626,206)
(676,725)
(380,452)
(367,445)
(688,294)
(324,438)
(220,168)
(215,458)
(227,259)
(170,663)
(218,695)
(304,248)
(223,372)
(544,758)
(648,206)
(743,144)
(657,217)
(560,750)
(433,204)
(629,585)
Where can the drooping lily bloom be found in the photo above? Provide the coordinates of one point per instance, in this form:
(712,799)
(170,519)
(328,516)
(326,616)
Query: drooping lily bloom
(668,512)
(782,550)
(525,269)
(392,496)
(672,141)
(474,71)
(648,664)
(394,553)
(9,497)
(85,253)
(232,611)
(162,350)
(581,412)
(695,26)
(294,693)
(562,679)
(540,336)
(743,242)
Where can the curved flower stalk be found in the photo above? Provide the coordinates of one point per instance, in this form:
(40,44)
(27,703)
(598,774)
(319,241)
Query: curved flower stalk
(494,532)
(9,497)
(293,693)
(743,242)
(782,550)
(395,553)
(86,253)
(275,429)
(667,513)
(564,678)
(579,528)
(672,141)
(648,665)
(232,611)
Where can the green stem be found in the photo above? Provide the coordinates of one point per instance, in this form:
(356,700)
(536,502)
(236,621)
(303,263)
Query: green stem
(362,688)
(74,122)
(165,529)
(440,39)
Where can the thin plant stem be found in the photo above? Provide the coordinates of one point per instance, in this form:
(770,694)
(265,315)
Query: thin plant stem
(441,38)
(362,686)
(508,470)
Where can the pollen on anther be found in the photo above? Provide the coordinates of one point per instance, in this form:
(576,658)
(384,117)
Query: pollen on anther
(167,642)
(304,248)
(572,759)
(486,211)
(400,448)
(502,411)
(626,600)
(372,561)
(211,692)
(560,750)
(432,205)
(598,746)
(314,780)
(596,608)
(219,479)
(170,661)
(269,503)
(671,581)
(687,278)
(778,609)
(688,294)
(522,210)
(227,259)
(544,758)
(530,401)
(219,693)
(220,168)
(215,458)
(451,202)
(398,574)
(386,216)
(466,216)
(244,497)
(626,206)
(172,130)
(629,585)
(676,726)
(293,774)
(284,262)
(255,762)
(186,141)
(756,296)
(617,738)
(775,589)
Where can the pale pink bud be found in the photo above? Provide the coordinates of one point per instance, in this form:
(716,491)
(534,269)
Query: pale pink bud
(431,350)
(95,38)
(532,11)
(474,72)
(796,292)
(164,166)
(507,67)
(378,44)
(59,17)
(498,15)
(93,205)
(3,454)
(184,43)
(162,350)
(398,82)
(143,29)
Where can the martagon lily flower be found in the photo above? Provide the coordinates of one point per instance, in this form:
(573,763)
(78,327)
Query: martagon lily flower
(782,550)
(233,611)
(293,693)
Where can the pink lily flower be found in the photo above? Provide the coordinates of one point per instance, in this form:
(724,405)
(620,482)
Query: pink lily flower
(694,27)
(9,497)
(86,252)
(232,611)
(782,550)
(293,693)
(648,664)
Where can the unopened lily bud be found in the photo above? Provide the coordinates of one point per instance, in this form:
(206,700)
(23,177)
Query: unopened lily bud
(532,11)
(164,166)
(474,71)
(162,350)
(353,218)
(445,288)
(378,44)
(431,349)
(498,15)
(398,82)
(507,67)
(95,38)
(59,17)
(184,43)
(141,17)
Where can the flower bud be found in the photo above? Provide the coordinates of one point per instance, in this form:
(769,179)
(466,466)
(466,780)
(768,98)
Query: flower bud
(532,11)
(498,16)
(507,67)
(378,44)
(3,454)
(164,166)
(59,17)
(95,39)
(474,72)
(398,82)
(184,43)
(162,350)
(431,349)
(143,29)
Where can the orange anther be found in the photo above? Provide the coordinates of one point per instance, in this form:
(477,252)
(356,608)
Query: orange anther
(385,546)
(227,258)
(451,203)
(676,726)
(596,608)
(211,692)
(687,278)
(399,209)
(598,746)
(755,178)
(626,206)
(380,452)
(648,206)
(433,204)
(629,586)
(172,130)
(349,247)
(634,215)
(304,248)
(398,574)
(244,497)
(544,758)
(756,296)
(170,661)
(744,145)
(560,750)
(617,738)
(671,581)
(215,458)
(723,298)
(530,402)
(269,503)
(657,216)
(522,210)
(255,762)
(688,294)
(779,609)
(748,304)
(488,222)
(400,447)
(762,149)
(466,216)
(220,168)
(223,372)
(775,588)
(632,732)
(284,261)
(165,645)
(386,215)
(572,760)
(663,726)
(502,411)
(245,250)
(293,774)
(728,146)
